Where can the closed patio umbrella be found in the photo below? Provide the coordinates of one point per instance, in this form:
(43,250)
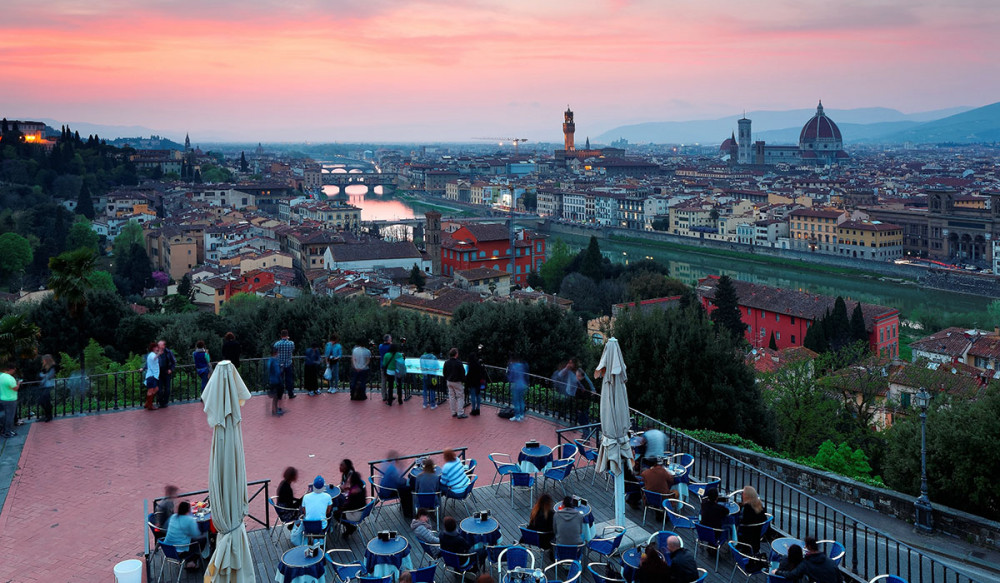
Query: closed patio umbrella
(615,451)
(223,396)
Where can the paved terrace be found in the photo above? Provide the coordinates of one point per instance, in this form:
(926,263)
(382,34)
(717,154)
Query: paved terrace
(75,505)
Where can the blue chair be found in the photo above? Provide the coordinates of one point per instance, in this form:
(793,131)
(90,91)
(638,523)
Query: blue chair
(772,578)
(588,453)
(564,451)
(173,557)
(680,514)
(568,552)
(764,527)
(373,579)
(470,466)
(431,550)
(382,494)
(835,550)
(532,538)
(463,495)
(559,471)
(513,557)
(710,538)
(604,573)
(660,538)
(522,481)
(702,575)
(280,513)
(344,572)
(424,574)
(429,500)
(573,574)
(357,517)
(656,501)
(699,488)
(458,563)
(744,561)
(315,533)
(493,553)
(888,579)
(608,543)
(504,465)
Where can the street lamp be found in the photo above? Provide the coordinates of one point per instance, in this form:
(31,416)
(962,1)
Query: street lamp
(925,520)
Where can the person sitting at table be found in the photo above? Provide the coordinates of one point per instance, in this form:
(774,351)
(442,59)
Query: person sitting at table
(816,565)
(453,541)
(633,488)
(653,443)
(427,480)
(657,479)
(453,475)
(485,578)
(421,527)
(184,534)
(317,503)
(354,499)
(713,514)
(289,505)
(683,568)
(393,478)
(652,567)
(752,518)
(540,520)
(567,523)
(164,509)
(790,562)
(406,578)
(346,470)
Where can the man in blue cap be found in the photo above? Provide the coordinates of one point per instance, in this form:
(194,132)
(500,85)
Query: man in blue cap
(317,504)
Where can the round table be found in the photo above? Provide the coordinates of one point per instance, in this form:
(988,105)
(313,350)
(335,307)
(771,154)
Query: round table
(296,567)
(734,518)
(204,520)
(630,563)
(476,531)
(588,520)
(535,459)
(779,546)
(384,558)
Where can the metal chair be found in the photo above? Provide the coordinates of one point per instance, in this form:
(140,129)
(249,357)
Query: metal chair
(745,562)
(702,575)
(522,481)
(470,466)
(559,471)
(373,579)
(344,572)
(660,538)
(315,533)
(656,501)
(710,538)
(357,517)
(430,501)
(836,551)
(764,527)
(513,557)
(532,538)
(382,494)
(424,574)
(431,550)
(888,579)
(493,553)
(564,451)
(173,557)
(685,516)
(458,563)
(608,543)
(573,574)
(604,573)
(772,578)
(589,454)
(279,521)
(463,495)
(699,488)
(503,467)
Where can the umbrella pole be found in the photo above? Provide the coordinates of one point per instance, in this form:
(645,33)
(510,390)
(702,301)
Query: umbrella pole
(620,498)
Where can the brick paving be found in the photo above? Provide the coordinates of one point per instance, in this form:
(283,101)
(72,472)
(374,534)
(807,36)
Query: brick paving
(74,508)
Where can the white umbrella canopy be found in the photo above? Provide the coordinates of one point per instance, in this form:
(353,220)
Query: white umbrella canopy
(614,450)
(223,396)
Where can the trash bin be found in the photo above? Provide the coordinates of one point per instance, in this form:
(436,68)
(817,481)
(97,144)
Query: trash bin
(129,571)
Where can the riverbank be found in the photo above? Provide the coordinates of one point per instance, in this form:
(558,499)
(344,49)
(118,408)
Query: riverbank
(420,203)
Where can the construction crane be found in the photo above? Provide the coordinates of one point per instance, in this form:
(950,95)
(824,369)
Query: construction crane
(514,141)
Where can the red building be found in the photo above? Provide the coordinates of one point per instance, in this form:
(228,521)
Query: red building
(789,313)
(488,246)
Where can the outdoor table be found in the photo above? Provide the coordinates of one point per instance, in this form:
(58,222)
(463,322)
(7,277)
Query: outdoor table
(384,558)
(630,563)
(296,567)
(681,479)
(477,531)
(204,519)
(589,532)
(779,546)
(535,459)
(734,518)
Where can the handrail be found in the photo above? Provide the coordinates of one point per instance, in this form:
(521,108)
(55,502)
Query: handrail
(373,466)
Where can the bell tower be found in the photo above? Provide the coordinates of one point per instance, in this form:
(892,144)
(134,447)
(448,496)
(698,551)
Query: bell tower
(432,239)
(744,146)
(569,128)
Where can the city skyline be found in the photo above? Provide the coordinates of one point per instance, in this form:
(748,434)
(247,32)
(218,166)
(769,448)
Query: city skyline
(428,71)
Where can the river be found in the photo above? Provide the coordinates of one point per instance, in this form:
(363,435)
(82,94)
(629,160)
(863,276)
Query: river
(689,267)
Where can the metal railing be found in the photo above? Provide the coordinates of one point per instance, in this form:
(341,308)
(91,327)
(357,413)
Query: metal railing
(374,467)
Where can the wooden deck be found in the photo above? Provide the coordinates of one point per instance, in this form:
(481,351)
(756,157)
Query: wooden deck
(267,553)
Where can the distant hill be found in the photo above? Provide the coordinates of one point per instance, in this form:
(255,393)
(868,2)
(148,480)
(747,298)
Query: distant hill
(153,142)
(852,132)
(974,126)
(108,132)
(785,125)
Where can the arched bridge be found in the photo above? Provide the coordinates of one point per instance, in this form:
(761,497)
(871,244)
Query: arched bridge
(370,179)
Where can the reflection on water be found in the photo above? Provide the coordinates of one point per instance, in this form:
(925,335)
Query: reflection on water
(372,207)
(689,267)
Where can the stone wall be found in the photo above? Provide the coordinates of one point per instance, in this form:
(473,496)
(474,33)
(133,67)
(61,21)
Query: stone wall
(980,531)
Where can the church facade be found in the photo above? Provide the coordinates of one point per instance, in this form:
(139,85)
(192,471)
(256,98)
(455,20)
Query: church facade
(820,144)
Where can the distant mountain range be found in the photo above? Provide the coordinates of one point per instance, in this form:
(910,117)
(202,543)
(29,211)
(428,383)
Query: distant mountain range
(866,125)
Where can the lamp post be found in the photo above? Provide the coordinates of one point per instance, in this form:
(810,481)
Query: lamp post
(925,520)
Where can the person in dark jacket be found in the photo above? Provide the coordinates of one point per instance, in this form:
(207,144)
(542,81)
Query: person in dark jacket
(454,375)
(816,565)
(475,380)
(752,519)
(453,541)
(791,561)
(274,380)
(683,568)
(713,514)
(652,567)
(541,520)
(310,370)
(289,504)
(231,349)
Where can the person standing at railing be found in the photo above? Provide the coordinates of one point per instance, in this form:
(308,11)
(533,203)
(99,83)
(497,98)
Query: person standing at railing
(152,375)
(475,380)
(394,367)
(333,353)
(168,362)
(202,362)
(231,349)
(428,365)
(454,375)
(310,370)
(360,361)
(286,348)
(47,383)
(275,380)
(8,398)
(517,375)
(383,349)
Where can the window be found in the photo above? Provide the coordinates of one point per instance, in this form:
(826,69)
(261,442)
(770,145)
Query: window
(777,317)
(793,338)
(793,321)
(749,311)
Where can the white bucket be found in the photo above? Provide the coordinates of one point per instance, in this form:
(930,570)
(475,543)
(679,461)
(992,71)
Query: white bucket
(129,571)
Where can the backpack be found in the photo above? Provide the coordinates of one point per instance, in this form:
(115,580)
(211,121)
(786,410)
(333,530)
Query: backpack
(505,413)
(400,364)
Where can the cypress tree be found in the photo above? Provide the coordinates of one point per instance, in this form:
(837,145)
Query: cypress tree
(858,331)
(773,345)
(840,325)
(727,315)
(815,339)
(84,203)
(591,265)
(244,166)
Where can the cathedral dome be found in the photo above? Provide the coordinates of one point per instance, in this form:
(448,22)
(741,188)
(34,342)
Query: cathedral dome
(728,145)
(819,129)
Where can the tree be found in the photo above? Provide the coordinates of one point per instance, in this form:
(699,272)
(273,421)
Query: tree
(591,263)
(15,253)
(858,332)
(842,459)
(185,287)
(815,338)
(534,280)
(71,277)
(554,268)
(101,280)
(802,410)
(417,278)
(772,344)
(661,224)
(178,304)
(18,339)
(82,236)
(129,235)
(85,203)
(839,334)
(647,285)
(727,315)
(133,271)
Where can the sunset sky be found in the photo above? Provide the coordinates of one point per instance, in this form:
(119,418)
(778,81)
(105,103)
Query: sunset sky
(428,70)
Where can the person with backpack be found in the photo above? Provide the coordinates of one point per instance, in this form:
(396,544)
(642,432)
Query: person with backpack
(395,369)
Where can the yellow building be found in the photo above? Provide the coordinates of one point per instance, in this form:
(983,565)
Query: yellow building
(815,229)
(870,240)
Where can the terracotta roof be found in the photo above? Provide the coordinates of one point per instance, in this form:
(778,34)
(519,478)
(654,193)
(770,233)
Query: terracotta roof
(445,304)
(818,213)
(481,273)
(952,342)
(374,251)
(489,231)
